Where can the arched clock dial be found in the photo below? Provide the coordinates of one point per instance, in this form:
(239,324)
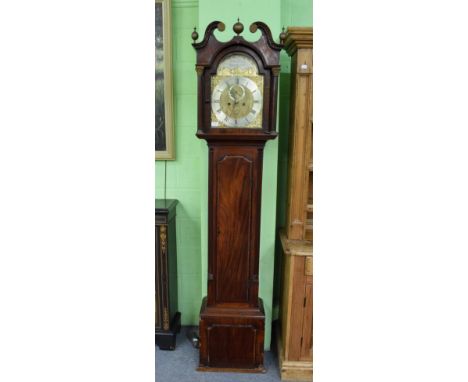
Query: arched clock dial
(236,101)
(237,93)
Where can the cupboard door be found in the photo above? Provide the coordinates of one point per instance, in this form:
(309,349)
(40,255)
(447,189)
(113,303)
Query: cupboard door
(232,346)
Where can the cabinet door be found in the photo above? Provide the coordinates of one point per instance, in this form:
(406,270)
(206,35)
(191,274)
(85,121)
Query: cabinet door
(232,345)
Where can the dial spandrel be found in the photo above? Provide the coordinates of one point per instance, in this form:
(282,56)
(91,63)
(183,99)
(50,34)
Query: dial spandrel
(237,94)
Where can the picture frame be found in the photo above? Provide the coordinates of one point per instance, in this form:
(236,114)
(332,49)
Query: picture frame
(164,128)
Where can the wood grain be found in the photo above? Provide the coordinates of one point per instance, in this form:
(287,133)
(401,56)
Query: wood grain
(296,319)
(300,142)
(234,224)
(234,213)
(222,342)
(306,348)
(292,370)
(296,304)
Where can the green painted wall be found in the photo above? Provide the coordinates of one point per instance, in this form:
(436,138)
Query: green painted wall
(183,174)
(187,176)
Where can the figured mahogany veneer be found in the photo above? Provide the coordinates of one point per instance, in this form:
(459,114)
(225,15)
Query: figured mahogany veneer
(235,194)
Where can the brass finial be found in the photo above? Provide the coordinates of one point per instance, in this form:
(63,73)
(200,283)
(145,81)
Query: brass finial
(194,34)
(238,27)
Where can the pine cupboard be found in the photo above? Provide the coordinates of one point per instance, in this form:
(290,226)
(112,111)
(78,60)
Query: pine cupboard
(295,329)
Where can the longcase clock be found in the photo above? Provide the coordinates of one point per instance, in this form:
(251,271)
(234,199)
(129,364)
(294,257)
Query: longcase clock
(237,96)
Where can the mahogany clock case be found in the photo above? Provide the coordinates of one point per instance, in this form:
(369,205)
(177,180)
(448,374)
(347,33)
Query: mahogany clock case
(232,318)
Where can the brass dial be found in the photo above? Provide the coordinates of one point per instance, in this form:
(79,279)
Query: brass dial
(237,93)
(236,101)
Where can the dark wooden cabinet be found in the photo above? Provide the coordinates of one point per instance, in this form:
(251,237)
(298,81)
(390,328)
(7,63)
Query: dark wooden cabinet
(237,93)
(167,315)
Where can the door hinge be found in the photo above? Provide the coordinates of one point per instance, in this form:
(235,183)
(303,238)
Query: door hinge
(305,299)
(302,338)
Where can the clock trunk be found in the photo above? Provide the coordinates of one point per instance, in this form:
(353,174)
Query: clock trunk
(234,225)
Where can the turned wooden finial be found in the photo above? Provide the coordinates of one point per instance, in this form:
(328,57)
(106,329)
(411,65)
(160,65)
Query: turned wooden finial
(238,27)
(282,37)
(194,34)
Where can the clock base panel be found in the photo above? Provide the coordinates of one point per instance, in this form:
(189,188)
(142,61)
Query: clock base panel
(231,339)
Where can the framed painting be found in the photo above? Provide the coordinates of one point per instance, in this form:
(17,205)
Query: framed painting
(164,128)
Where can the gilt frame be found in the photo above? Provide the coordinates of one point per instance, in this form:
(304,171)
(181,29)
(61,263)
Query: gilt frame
(164,127)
